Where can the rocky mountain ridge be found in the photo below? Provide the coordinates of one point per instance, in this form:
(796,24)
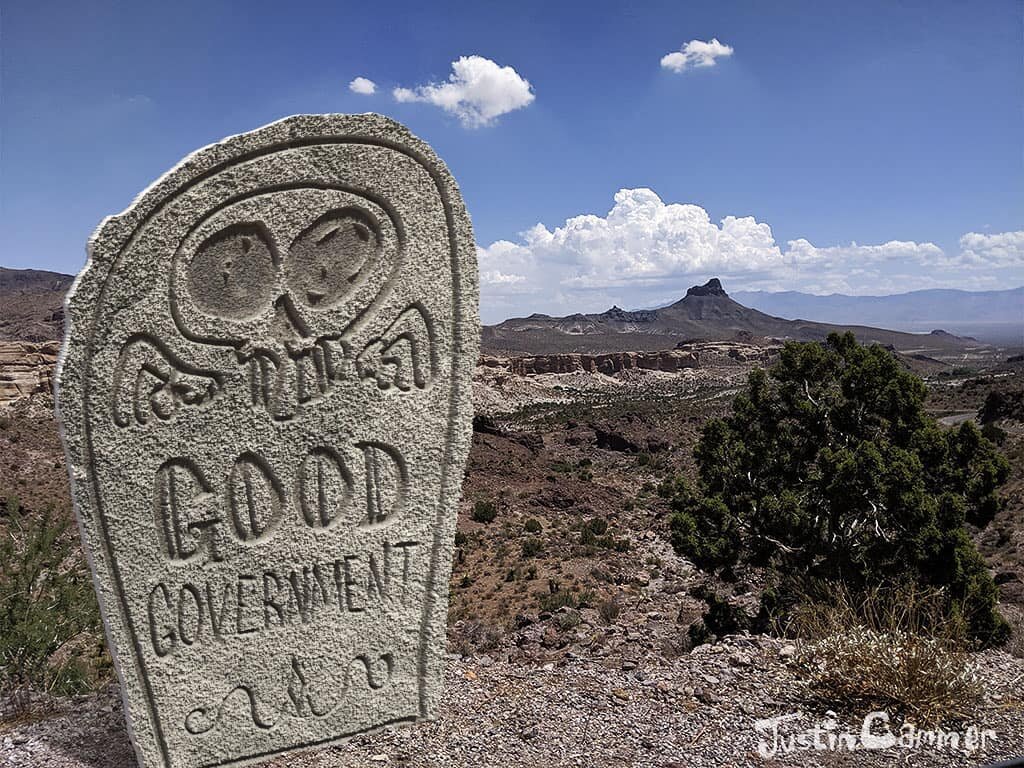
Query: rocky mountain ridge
(32,304)
(668,361)
(705,313)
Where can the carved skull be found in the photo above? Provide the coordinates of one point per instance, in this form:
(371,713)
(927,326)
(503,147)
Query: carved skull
(284,288)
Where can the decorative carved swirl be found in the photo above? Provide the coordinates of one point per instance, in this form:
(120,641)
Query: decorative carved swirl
(303,702)
(149,381)
(404,356)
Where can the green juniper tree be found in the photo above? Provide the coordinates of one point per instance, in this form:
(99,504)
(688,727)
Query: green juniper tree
(828,471)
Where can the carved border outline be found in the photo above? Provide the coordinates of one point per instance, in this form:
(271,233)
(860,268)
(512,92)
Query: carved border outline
(465,316)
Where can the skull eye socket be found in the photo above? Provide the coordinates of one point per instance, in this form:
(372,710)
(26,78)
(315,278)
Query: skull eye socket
(231,275)
(327,259)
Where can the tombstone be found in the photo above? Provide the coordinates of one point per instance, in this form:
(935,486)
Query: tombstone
(265,400)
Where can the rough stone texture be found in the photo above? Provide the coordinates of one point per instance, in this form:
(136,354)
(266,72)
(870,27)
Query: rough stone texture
(26,369)
(265,402)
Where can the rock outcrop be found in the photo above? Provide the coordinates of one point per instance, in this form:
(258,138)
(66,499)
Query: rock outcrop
(670,361)
(26,369)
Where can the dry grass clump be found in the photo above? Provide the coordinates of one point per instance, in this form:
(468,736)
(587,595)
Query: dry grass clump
(893,649)
(49,619)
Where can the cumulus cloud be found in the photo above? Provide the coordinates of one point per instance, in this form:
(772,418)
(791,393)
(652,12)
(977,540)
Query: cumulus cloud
(363,86)
(477,91)
(646,252)
(696,53)
(1002,249)
(643,240)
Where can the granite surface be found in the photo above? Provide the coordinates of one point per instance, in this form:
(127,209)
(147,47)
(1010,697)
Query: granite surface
(265,400)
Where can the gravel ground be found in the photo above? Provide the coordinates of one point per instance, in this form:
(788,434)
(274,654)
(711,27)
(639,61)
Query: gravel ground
(696,711)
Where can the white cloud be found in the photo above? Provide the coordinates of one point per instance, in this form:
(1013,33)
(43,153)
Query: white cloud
(477,91)
(497,277)
(645,252)
(363,86)
(640,241)
(1005,249)
(696,53)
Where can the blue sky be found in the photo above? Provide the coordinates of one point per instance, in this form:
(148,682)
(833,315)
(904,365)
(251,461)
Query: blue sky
(862,148)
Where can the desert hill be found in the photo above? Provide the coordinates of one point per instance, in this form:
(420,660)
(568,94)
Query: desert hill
(32,304)
(706,313)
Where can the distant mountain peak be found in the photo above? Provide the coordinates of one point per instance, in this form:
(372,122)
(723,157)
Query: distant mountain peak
(712,287)
(626,316)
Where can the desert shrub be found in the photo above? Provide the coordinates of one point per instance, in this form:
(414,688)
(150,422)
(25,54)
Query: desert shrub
(484,511)
(474,636)
(712,543)
(46,603)
(552,601)
(609,610)
(892,648)
(672,485)
(461,539)
(568,620)
(563,598)
(721,617)
(532,525)
(613,542)
(698,634)
(532,547)
(1002,405)
(829,470)
(993,433)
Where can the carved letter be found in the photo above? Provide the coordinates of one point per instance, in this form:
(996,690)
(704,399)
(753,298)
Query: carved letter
(255,497)
(325,488)
(187,517)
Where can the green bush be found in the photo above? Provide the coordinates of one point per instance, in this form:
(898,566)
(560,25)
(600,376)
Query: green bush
(993,433)
(46,602)
(828,470)
(532,547)
(721,618)
(532,525)
(1002,405)
(484,511)
(611,542)
(558,598)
